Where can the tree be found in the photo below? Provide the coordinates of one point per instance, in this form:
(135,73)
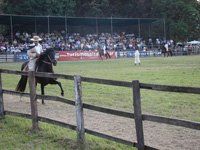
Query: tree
(182,17)
(93,8)
(39,7)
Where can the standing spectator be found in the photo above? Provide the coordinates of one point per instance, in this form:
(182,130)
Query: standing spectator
(158,43)
(137,57)
(150,43)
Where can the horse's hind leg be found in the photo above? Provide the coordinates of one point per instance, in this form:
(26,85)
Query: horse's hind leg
(42,92)
(100,56)
(108,55)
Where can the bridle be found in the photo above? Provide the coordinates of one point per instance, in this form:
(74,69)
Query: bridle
(46,62)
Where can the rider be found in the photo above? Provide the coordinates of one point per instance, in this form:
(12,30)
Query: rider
(34,52)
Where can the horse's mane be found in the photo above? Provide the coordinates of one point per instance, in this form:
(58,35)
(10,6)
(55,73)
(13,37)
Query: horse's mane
(45,54)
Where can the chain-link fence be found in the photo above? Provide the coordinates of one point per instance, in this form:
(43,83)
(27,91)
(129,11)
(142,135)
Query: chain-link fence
(140,27)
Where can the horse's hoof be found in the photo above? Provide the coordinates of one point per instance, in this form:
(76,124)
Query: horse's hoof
(62,94)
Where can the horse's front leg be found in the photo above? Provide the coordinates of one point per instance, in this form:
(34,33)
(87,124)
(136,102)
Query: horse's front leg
(42,92)
(60,85)
(165,54)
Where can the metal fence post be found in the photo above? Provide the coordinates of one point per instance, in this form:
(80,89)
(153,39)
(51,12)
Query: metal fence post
(33,100)
(138,114)
(79,111)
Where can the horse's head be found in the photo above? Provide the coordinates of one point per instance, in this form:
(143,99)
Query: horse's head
(50,54)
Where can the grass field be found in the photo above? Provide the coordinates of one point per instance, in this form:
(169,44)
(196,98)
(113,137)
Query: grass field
(179,71)
(15,135)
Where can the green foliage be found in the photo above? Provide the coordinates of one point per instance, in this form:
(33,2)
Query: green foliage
(182,16)
(179,30)
(94,8)
(40,7)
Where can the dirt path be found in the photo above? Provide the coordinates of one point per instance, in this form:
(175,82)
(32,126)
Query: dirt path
(156,135)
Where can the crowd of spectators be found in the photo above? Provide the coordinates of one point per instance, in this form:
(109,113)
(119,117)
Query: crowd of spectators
(62,41)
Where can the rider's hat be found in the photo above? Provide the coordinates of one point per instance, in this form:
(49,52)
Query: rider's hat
(36,38)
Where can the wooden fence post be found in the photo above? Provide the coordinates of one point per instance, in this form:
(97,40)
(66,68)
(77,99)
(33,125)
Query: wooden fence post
(79,111)
(138,114)
(33,100)
(1,99)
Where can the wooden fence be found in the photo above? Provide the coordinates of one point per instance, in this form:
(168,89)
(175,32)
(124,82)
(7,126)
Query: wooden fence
(79,105)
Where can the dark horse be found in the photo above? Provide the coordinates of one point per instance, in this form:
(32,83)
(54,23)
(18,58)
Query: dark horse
(165,52)
(102,54)
(44,64)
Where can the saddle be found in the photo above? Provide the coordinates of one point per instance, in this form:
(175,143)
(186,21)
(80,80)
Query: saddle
(26,69)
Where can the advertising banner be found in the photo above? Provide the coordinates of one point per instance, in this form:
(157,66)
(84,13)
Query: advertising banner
(142,53)
(81,55)
(21,57)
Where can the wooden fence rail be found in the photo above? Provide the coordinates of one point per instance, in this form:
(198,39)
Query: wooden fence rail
(153,118)
(33,101)
(1,99)
(73,127)
(137,115)
(167,88)
(79,111)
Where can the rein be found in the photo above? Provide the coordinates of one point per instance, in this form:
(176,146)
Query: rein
(46,62)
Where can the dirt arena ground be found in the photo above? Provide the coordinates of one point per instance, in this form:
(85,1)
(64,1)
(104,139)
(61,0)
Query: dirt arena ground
(161,136)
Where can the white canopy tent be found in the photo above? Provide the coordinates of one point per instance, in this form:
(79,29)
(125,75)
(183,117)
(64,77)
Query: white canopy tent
(194,42)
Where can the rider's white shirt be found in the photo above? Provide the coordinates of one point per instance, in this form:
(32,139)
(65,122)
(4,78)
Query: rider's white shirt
(38,49)
(31,65)
(167,47)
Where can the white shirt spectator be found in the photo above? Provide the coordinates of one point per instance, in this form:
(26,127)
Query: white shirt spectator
(137,57)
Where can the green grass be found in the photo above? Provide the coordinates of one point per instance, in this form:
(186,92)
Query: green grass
(179,71)
(15,135)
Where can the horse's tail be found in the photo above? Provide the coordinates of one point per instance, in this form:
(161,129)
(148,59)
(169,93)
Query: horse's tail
(21,86)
